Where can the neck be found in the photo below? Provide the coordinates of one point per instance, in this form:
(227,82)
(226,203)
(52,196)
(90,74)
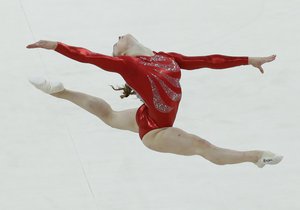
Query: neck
(138,50)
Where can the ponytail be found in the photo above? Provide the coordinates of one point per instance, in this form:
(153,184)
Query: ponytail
(127,91)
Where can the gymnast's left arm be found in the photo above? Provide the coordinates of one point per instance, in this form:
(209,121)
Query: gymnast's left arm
(215,61)
(219,61)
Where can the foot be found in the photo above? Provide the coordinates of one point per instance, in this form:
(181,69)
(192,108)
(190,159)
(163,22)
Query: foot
(268,158)
(46,86)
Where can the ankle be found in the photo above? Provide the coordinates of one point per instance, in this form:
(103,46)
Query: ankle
(256,155)
(59,94)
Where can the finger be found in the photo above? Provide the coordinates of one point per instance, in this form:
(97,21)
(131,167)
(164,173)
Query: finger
(34,45)
(271,58)
(261,69)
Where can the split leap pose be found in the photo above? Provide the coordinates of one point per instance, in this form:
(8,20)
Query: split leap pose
(154,78)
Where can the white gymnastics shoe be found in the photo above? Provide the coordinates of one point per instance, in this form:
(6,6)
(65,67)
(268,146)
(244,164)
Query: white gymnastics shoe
(268,158)
(47,86)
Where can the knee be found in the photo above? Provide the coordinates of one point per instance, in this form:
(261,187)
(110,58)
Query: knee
(203,146)
(93,103)
(99,107)
(217,161)
(207,150)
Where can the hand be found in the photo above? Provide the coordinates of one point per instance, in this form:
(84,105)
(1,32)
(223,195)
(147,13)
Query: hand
(259,61)
(49,45)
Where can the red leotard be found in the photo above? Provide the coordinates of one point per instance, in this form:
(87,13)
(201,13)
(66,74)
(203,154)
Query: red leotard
(154,78)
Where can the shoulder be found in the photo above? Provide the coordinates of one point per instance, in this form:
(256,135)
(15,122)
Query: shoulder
(172,55)
(127,59)
(162,53)
(165,54)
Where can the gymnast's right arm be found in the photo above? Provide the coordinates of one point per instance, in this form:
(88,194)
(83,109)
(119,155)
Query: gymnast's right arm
(108,63)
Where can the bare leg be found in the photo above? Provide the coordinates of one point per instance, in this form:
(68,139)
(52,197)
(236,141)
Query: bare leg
(124,120)
(96,106)
(177,141)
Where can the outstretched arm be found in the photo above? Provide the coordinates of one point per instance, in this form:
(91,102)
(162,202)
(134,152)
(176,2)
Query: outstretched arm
(108,63)
(218,61)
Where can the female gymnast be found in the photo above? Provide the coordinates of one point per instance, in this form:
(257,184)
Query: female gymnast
(154,78)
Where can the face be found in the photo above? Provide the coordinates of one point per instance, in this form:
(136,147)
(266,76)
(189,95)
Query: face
(123,44)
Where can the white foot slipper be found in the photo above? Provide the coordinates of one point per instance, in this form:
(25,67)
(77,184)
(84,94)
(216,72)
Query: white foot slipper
(45,85)
(268,158)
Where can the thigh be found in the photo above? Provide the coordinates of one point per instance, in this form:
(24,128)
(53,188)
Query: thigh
(172,140)
(124,120)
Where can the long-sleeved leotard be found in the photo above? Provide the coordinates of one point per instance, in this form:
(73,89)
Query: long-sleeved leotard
(154,78)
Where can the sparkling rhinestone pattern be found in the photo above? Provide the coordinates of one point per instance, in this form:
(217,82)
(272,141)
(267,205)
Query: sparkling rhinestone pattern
(172,80)
(173,66)
(157,58)
(172,95)
(159,104)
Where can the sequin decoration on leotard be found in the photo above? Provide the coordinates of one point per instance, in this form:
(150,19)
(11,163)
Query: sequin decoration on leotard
(159,104)
(172,80)
(173,66)
(172,94)
(157,58)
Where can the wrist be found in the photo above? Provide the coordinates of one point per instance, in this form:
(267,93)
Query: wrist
(54,45)
(250,60)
